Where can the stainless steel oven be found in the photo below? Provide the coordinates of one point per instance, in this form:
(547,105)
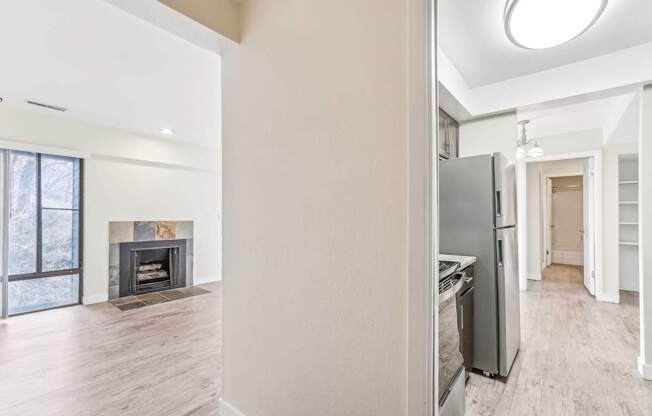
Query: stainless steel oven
(451,361)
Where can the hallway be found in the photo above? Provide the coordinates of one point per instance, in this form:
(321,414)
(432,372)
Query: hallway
(578,356)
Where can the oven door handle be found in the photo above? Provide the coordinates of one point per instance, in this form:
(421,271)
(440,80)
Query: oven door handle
(450,292)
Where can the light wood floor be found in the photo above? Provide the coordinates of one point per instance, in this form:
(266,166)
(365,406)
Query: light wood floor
(98,361)
(578,356)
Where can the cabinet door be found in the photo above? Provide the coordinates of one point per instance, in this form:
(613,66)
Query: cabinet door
(442,136)
(453,138)
(465,325)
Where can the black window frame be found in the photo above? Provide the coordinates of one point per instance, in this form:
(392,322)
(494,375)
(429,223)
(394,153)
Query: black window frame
(39,273)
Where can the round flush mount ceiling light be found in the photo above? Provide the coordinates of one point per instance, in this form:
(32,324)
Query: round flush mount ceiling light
(541,24)
(167,132)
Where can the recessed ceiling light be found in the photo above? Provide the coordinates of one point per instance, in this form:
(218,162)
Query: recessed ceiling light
(167,132)
(541,24)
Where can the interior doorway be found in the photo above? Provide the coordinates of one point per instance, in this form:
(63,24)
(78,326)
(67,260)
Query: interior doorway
(565,221)
(559,202)
(567,225)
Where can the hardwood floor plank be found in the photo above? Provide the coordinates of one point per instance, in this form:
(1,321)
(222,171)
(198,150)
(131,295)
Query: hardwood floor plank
(162,359)
(578,356)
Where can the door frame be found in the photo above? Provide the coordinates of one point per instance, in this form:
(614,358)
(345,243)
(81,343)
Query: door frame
(422,235)
(521,179)
(4,232)
(546,198)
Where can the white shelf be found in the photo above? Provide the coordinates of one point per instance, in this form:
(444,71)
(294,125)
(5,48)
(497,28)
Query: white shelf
(628,243)
(628,222)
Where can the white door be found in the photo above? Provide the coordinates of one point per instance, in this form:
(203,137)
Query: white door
(588,197)
(548,222)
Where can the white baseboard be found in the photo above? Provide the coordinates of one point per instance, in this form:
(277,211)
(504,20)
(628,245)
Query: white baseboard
(97,298)
(534,276)
(227,409)
(644,369)
(575,258)
(200,281)
(608,297)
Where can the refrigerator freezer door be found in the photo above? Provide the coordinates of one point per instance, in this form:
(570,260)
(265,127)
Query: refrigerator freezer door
(509,314)
(466,221)
(504,191)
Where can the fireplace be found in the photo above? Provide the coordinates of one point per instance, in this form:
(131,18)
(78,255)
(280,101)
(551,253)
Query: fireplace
(150,266)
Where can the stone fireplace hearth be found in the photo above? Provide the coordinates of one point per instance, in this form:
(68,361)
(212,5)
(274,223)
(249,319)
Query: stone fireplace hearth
(149,256)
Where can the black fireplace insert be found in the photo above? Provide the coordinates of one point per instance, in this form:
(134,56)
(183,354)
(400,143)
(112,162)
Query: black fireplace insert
(150,266)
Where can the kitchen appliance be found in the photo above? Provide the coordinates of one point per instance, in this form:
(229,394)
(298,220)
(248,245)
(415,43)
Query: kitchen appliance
(446,268)
(477,217)
(451,362)
(449,134)
(465,320)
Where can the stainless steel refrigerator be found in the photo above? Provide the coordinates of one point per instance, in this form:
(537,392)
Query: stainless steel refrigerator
(477,217)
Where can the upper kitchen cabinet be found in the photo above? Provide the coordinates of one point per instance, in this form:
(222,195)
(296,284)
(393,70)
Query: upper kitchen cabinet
(449,132)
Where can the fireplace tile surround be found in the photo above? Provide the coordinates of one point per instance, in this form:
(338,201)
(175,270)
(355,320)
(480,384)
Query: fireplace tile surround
(138,231)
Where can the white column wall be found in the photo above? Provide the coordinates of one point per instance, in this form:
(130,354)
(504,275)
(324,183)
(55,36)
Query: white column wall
(645,234)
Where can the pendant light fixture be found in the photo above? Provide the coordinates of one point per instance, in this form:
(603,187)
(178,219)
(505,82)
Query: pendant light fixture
(542,24)
(524,147)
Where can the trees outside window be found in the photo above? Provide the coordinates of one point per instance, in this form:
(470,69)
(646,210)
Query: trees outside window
(44,231)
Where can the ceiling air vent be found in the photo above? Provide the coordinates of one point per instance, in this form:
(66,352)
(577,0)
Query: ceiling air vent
(48,106)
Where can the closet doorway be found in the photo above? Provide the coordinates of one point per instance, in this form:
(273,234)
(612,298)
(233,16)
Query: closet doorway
(564,220)
(41,228)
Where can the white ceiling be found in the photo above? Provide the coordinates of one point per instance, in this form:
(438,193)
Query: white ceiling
(471,33)
(108,67)
(617,116)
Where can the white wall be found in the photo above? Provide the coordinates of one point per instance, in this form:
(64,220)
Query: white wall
(129,177)
(645,237)
(535,246)
(572,141)
(488,135)
(557,167)
(315,209)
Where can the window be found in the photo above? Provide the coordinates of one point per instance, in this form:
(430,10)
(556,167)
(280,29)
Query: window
(22,213)
(44,231)
(59,213)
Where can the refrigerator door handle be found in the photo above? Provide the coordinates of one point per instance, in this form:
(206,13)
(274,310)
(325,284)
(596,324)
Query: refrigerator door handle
(462,316)
(499,210)
(500,253)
